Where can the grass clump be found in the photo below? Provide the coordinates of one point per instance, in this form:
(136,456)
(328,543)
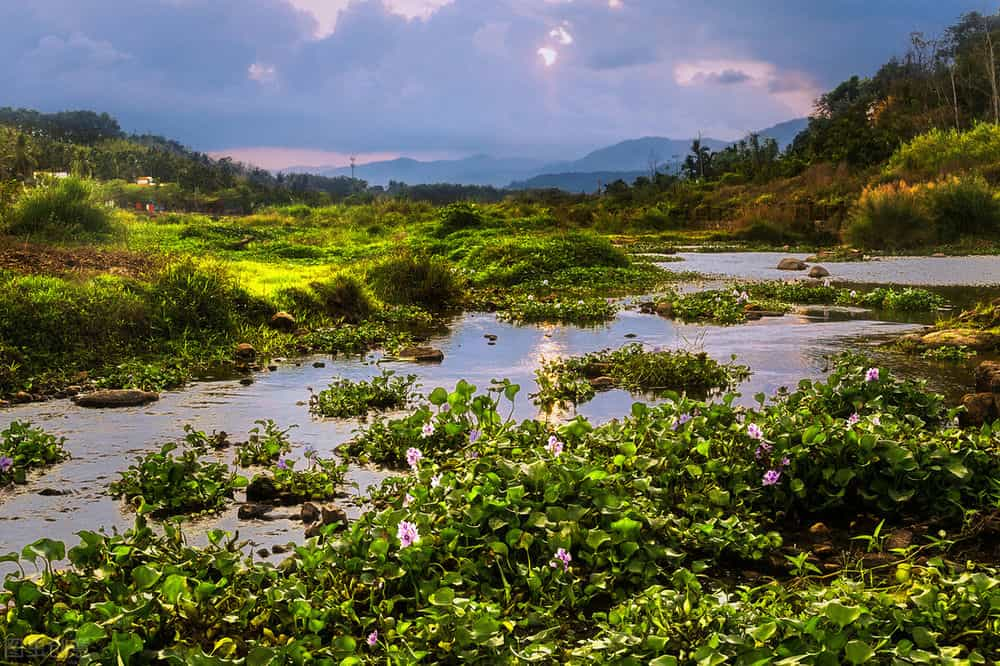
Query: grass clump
(963,207)
(409,279)
(529,310)
(890,217)
(24,448)
(342,297)
(346,398)
(576,380)
(67,209)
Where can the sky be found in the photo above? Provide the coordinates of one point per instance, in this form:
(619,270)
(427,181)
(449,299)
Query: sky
(311,82)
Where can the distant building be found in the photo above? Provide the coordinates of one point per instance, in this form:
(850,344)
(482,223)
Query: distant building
(41,175)
(145,180)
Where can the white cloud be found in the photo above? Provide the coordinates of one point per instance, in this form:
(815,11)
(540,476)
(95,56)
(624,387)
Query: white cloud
(549,55)
(561,35)
(327,11)
(262,73)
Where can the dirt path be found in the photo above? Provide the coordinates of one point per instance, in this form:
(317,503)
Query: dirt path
(32,258)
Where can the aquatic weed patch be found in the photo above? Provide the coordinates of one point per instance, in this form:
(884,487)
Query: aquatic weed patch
(530,310)
(322,479)
(266,444)
(581,544)
(162,484)
(347,398)
(576,380)
(24,448)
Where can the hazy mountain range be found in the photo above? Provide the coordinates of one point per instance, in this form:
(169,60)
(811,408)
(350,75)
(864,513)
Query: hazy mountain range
(626,160)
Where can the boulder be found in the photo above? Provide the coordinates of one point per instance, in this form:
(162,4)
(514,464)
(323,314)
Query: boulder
(791,264)
(116,398)
(251,511)
(958,337)
(282,321)
(330,516)
(261,489)
(818,272)
(602,383)
(21,397)
(988,377)
(980,408)
(309,513)
(421,354)
(245,353)
(665,309)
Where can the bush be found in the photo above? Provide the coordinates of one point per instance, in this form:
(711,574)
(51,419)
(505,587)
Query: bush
(511,262)
(408,279)
(67,209)
(766,232)
(457,216)
(341,297)
(963,207)
(939,152)
(890,217)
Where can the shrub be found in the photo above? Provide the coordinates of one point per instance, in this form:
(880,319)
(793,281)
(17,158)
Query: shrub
(511,262)
(457,216)
(766,232)
(344,398)
(890,217)
(963,207)
(67,209)
(939,152)
(408,279)
(343,296)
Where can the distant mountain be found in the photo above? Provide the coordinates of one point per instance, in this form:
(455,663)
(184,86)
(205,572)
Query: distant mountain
(625,160)
(475,170)
(575,181)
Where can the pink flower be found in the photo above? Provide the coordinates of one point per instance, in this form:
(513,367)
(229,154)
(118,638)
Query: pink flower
(754,431)
(876,421)
(771,477)
(427,430)
(407,534)
(413,457)
(762,450)
(372,638)
(853,419)
(871,375)
(561,556)
(407,499)
(435,481)
(555,447)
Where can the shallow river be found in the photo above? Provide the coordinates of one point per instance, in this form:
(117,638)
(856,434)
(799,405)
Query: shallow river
(779,351)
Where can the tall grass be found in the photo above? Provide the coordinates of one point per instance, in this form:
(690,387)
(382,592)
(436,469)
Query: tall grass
(890,217)
(67,209)
(411,279)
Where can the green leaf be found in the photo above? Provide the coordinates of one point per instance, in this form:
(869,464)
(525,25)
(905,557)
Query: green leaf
(88,633)
(841,614)
(438,397)
(764,631)
(145,577)
(443,597)
(597,537)
(45,548)
(173,587)
(858,652)
(959,470)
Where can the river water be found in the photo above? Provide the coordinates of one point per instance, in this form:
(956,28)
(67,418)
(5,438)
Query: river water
(780,351)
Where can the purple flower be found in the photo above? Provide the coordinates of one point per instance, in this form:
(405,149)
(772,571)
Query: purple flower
(427,430)
(876,421)
(785,462)
(445,408)
(407,499)
(474,436)
(762,450)
(310,451)
(282,463)
(754,431)
(6,462)
(853,419)
(407,534)
(413,457)
(871,375)
(435,481)
(555,447)
(681,420)
(771,477)
(472,455)
(561,556)
(372,638)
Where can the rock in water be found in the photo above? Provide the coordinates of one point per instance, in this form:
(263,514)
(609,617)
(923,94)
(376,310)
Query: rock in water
(245,353)
(791,264)
(818,272)
(116,398)
(980,408)
(421,354)
(988,377)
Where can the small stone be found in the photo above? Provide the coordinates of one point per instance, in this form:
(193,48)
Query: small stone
(830,567)
(665,309)
(631,335)
(602,383)
(278,549)
(115,398)
(282,321)
(272,368)
(334,516)
(980,408)
(491,344)
(490,337)
(901,538)
(818,272)
(319,364)
(54,492)
(246,353)
(309,513)
(823,549)
(21,397)
(988,377)
(264,553)
(246,381)
(818,529)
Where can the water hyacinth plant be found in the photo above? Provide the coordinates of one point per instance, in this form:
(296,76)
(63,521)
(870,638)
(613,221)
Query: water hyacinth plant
(347,398)
(24,448)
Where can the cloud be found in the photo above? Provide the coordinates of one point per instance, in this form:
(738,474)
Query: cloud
(452,76)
